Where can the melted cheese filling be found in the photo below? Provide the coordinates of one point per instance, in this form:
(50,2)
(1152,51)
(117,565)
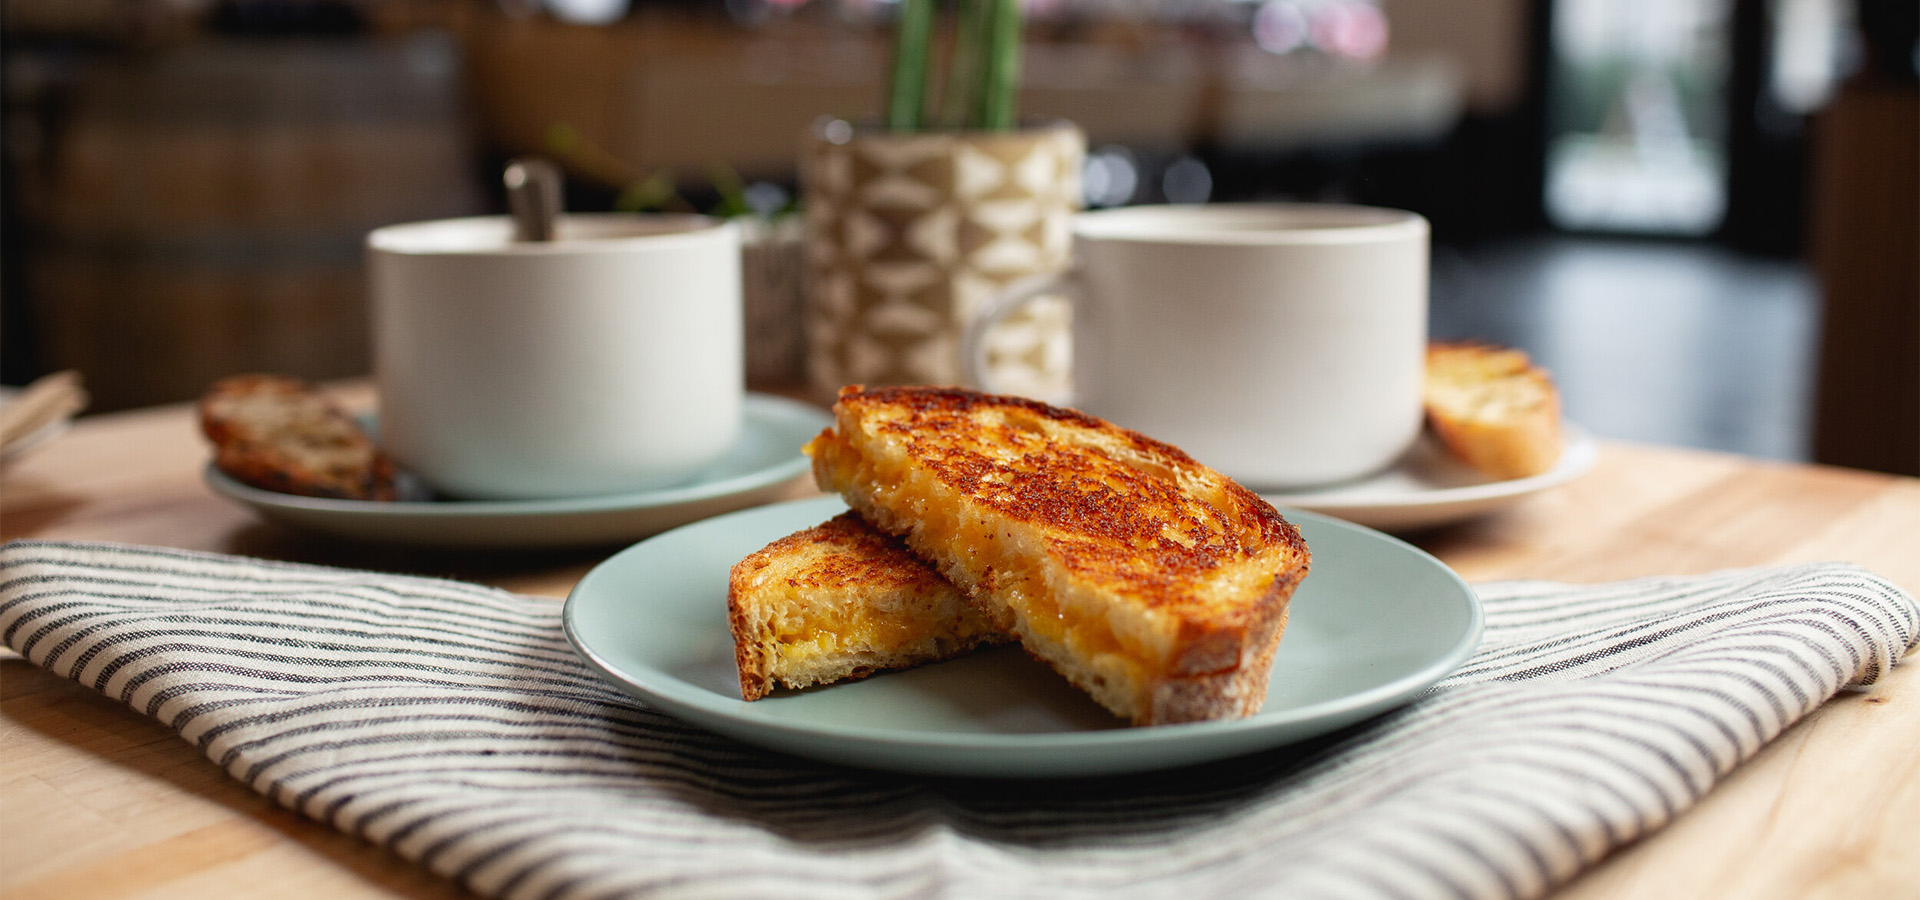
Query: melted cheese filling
(1073,633)
(810,636)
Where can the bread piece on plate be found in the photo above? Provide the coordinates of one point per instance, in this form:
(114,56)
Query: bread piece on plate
(1152,582)
(841,601)
(282,434)
(1493,408)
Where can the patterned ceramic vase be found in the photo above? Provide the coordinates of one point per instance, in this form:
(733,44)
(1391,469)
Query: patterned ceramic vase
(910,235)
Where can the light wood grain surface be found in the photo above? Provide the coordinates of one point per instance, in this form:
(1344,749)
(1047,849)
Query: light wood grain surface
(99,802)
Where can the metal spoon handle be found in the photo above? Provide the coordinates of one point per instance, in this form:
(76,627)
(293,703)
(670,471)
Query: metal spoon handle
(533,195)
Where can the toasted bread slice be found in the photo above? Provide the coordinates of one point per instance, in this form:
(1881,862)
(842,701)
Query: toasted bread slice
(1493,408)
(1152,582)
(841,601)
(282,434)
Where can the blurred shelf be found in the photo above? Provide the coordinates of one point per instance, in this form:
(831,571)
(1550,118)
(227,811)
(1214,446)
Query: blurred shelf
(682,96)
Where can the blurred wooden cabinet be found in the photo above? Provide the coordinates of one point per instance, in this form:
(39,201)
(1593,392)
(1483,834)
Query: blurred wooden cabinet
(1866,250)
(199,210)
(682,96)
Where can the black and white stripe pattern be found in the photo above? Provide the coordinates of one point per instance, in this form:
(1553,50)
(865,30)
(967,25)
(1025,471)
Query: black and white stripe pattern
(452,724)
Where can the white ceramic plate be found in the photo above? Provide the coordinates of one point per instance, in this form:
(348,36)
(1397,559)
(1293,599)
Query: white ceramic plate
(763,466)
(1375,623)
(1428,487)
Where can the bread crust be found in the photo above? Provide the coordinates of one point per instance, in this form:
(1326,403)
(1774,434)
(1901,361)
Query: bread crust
(1493,409)
(1154,583)
(282,434)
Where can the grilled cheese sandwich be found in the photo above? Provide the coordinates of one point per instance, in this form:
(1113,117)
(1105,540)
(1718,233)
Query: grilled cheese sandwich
(1493,408)
(1155,584)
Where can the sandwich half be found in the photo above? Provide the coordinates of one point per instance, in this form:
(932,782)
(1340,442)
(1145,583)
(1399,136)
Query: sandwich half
(840,601)
(1155,584)
(282,434)
(1493,408)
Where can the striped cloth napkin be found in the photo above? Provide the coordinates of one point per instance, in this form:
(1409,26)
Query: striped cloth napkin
(452,724)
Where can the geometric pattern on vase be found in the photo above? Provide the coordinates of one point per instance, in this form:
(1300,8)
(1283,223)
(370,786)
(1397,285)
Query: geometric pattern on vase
(909,235)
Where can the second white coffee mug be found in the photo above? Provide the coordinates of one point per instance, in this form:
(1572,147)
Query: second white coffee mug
(1282,344)
(605,361)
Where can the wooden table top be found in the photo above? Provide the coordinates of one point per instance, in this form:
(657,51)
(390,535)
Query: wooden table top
(97,801)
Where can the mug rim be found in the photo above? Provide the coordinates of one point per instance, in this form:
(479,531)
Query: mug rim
(1248,224)
(591,233)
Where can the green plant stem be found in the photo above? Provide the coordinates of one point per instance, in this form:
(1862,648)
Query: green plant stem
(961,105)
(731,188)
(913,39)
(1000,79)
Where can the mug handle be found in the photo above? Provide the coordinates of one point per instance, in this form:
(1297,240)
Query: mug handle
(973,340)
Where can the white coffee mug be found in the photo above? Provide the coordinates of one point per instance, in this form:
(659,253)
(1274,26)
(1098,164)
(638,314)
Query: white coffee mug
(1282,344)
(607,360)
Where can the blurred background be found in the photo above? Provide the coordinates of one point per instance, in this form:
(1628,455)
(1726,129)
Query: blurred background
(1702,215)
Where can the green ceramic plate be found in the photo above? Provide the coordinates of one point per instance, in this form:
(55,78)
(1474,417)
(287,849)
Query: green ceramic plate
(1375,624)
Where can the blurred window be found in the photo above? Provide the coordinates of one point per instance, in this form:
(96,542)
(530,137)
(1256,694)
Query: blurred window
(1637,134)
(1813,48)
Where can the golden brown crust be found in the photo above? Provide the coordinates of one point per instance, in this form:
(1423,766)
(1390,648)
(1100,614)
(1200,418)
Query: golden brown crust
(1124,514)
(1150,580)
(281,434)
(842,601)
(845,553)
(1493,409)
(749,653)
